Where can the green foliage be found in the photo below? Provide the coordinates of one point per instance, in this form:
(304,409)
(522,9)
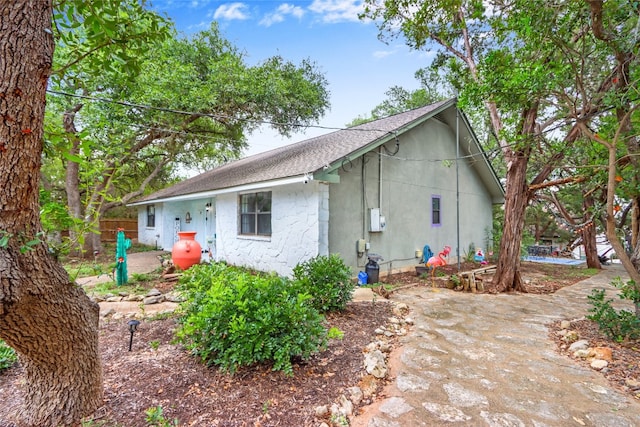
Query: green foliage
(339,420)
(7,356)
(455,279)
(83,270)
(328,280)
(141,277)
(618,325)
(155,418)
(55,218)
(400,100)
(104,36)
(180,101)
(233,317)
(497,229)
(470,252)
(335,333)
(26,242)
(111,287)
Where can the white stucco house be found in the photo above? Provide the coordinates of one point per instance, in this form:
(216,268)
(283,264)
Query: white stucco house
(387,187)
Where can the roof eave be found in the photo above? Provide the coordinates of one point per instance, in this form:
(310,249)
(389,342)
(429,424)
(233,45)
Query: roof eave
(239,188)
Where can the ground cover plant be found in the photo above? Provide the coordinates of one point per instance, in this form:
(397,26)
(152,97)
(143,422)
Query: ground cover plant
(619,325)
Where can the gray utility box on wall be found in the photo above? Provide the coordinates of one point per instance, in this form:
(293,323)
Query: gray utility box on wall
(377,222)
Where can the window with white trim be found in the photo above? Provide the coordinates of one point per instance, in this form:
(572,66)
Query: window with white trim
(255,214)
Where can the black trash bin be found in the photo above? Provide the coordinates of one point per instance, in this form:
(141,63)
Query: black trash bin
(373,269)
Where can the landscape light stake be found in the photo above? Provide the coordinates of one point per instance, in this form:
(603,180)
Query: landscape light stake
(133,325)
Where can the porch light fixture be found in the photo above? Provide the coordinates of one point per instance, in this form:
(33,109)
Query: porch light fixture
(187,218)
(133,326)
(207,207)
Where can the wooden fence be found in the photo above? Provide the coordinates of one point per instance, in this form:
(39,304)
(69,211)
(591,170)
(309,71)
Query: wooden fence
(109,228)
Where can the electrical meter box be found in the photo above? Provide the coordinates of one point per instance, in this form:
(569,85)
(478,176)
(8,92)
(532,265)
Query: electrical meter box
(377,222)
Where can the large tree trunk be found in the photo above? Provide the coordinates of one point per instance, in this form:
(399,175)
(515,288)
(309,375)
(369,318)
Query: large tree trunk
(507,275)
(49,321)
(589,237)
(72,176)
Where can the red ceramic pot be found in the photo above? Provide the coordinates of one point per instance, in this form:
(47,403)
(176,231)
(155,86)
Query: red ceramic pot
(186,251)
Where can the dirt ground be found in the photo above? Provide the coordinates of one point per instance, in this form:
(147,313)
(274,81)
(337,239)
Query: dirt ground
(159,374)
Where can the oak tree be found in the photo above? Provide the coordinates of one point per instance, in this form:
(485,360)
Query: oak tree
(49,320)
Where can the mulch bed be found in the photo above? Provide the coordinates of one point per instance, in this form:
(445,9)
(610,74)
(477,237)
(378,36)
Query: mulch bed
(159,373)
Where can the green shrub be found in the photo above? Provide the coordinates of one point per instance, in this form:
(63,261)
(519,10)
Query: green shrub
(7,356)
(328,280)
(235,318)
(618,325)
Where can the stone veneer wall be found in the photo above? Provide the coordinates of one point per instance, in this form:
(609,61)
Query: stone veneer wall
(299,213)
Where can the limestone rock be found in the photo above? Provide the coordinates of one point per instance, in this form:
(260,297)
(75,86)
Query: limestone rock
(153,300)
(570,336)
(346,407)
(321,411)
(375,364)
(603,353)
(400,309)
(598,364)
(632,383)
(174,297)
(583,353)
(107,312)
(579,345)
(355,394)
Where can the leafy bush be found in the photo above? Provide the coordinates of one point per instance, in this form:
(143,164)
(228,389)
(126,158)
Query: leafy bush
(7,356)
(328,280)
(234,318)
(618,325)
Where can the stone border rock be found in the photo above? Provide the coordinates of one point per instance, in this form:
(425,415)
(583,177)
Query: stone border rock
(128,305)
(598,357)
(376,356)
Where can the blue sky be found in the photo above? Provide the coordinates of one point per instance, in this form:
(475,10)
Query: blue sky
(358,67)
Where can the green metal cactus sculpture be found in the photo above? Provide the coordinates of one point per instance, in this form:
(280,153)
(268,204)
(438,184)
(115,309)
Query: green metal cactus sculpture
(122,245)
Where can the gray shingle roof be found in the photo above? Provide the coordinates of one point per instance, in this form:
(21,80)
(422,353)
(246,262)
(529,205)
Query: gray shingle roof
(300,158)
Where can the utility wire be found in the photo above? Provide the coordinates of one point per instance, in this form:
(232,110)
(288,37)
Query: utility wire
(485,152)
(210,115)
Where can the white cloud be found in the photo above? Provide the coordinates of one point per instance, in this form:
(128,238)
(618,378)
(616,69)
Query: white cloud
(337,10)
(231,11)
(199,26)
(379,54)
(281,13)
